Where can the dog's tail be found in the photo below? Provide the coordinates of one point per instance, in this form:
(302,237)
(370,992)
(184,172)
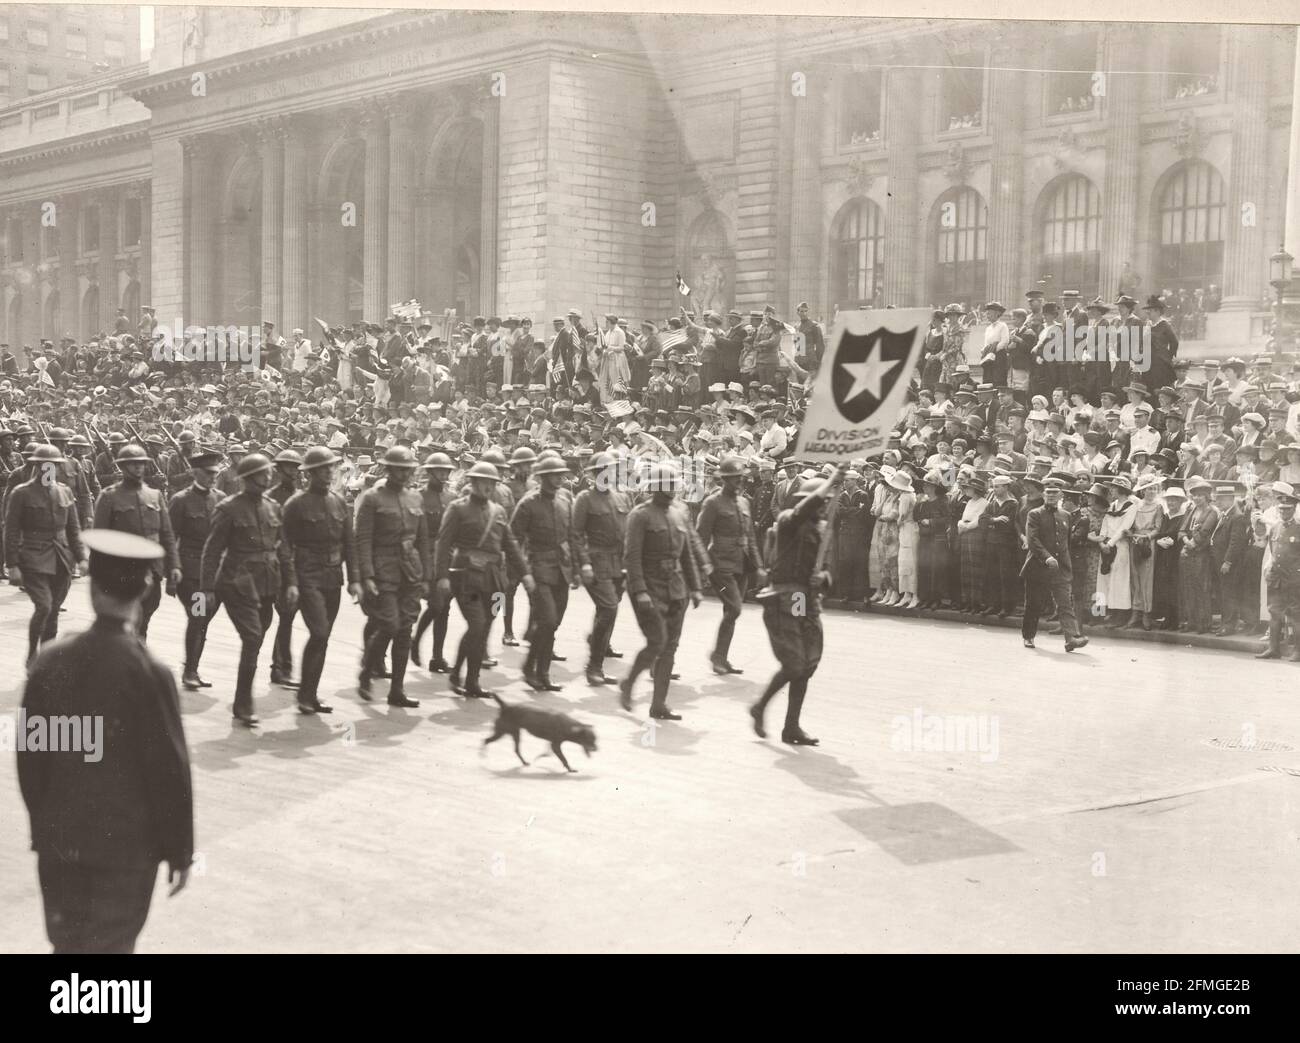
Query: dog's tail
(500,702)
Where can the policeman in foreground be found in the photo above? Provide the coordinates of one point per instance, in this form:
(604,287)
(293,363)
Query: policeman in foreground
(1282,580)
(105,815)
(661,576)
(792,603)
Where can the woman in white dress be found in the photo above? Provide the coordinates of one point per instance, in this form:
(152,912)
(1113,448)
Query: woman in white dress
(1113,582)
(614,368)
(1147,520)
(909,535)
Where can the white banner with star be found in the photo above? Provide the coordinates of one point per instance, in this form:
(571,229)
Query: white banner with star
(859,391)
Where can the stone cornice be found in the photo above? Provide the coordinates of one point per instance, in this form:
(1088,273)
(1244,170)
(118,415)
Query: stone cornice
(117,138)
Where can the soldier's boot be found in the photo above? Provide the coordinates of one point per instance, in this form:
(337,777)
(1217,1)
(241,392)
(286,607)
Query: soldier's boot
(401,652)
(792,733)
(1274,649)
(530,669)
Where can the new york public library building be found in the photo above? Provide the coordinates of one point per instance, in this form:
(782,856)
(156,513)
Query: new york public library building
(282,164)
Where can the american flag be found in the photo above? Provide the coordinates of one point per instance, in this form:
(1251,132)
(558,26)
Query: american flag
(672,339)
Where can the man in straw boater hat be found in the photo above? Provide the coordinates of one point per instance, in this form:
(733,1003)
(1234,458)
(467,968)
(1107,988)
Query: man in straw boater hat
(791,603)
(103,817)
(1282,580)
(1048,568)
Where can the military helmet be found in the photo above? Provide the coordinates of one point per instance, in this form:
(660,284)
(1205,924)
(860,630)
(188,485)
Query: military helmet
(59,434)
(809,486)
(438,462)
(483,469)
(185,436)
(45,454)
(317,456)
(495,457)
(600,461)
(288,456)
(130,453)
(399,456)
(253,463)
(80,440)
(116,438)
(550,465)
(731,467)
(523,455)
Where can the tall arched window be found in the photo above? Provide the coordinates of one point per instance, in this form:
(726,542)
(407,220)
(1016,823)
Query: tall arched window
(960,273)
(1191,213)
(859,237)
(1069,242)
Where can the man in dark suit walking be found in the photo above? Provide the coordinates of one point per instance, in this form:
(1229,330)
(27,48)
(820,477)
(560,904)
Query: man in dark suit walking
(109,791)
(1047,568)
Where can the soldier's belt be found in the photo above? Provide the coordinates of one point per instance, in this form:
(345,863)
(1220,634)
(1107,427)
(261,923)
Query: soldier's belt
(664,566)
(477,559)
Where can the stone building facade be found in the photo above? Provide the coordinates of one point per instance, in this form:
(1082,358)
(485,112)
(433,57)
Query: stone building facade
(286,164)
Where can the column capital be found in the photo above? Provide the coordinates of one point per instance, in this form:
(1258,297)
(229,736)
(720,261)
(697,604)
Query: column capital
(271,130)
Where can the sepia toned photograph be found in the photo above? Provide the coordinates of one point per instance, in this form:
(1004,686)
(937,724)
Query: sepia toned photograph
(575,482)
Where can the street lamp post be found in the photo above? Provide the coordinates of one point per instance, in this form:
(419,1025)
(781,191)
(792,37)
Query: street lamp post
(1284,331)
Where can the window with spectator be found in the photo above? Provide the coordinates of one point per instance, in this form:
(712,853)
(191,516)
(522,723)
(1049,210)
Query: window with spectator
(1073,64)
(1194,52)
(1190,209)
(1069,239)
(860,108)
(961,95)
(960,273)
(859,259)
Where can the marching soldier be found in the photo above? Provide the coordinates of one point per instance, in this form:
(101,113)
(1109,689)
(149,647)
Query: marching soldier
(178,469)
(132,506)
(662,575)
(287,464)
(79,451)
(436,499)
(71,474)
(246,564)
(521,465)
(42,543)
(190,512)
(228,482)
(792,604)
(1282,580)
(468,565)
(1048,567)
(726,526)
(100,829)
(106,472)
(541,523)
(599,527)
(318,531)
(393,564)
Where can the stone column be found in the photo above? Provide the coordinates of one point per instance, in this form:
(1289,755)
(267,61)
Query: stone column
(374,214)
(806,237)
(403,167)
(69,285)
(1292,201)
(296,196)
(1244,281)
(1006,244)
(488,216)
(108,238)
(1119,194)
(168,216)
(146,250)
(200,250)
(903,224)
(272,149)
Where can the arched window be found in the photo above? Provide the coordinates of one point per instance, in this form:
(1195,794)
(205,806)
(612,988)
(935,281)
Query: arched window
(1069,240)
(859,236)
(960,273)
(1191,212)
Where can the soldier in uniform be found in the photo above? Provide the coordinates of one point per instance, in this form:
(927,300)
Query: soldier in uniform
(541,523)
(521,465)
(468,565)
(436,499)
(1282,580)
(100,829)
(318,531)
(73,476)
(599,527)
(132,506)
(393,563)
(661,575)
(106,472)
(247,565)
(190,512)
(726,527)
(79,450)
(1048,568)
(228,482)
(287,464)
(792,604)
(42,541)
(178,469)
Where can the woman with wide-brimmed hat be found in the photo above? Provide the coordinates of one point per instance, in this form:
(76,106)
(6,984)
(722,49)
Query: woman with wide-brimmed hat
(1147,522)
(1113,583)
(884,543)
(970,544)
(1166,597)
(933,513)
(908,537)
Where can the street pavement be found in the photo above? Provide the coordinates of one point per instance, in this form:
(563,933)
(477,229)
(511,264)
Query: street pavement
(968,795)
